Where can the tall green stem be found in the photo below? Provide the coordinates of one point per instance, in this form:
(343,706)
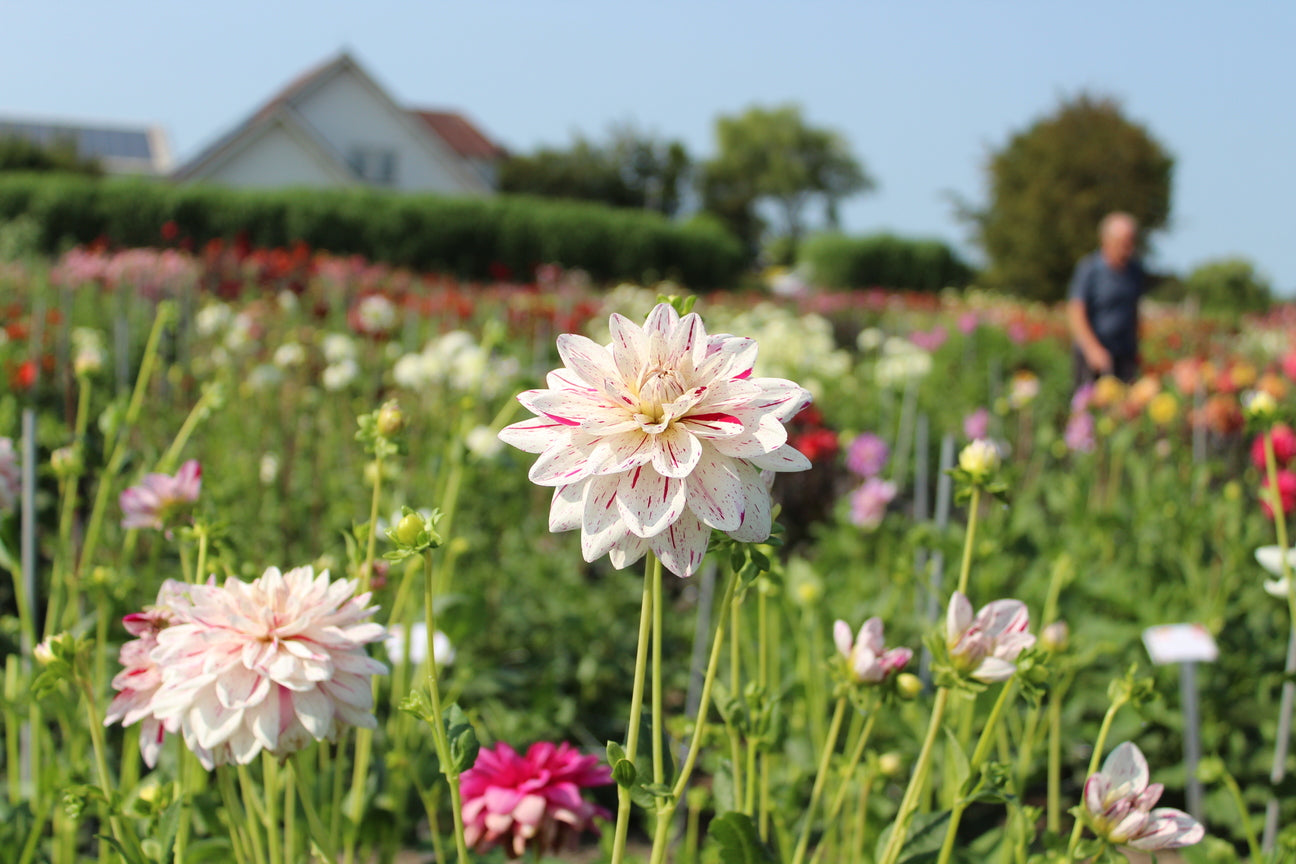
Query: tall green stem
(974,765)
(974,508)
(636,710)
(448,766)
(1094,762)
(659,769)
(834,727)
(908,804)
(123,833)
(270,791)
(839,800)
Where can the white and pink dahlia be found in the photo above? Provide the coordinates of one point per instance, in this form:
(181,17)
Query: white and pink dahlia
(870,661)
(986,646)
(532,801)
(158,498)
(652,441)
(267,665)
(1119,802)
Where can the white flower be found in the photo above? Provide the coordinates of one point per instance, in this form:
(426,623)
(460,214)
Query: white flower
(212,318)
(1119,799)
(337,376)
(658,438)
(1270,558)
(268,470)
(395,645)
(289,354)
(987,646)
(483,442)
(338,347)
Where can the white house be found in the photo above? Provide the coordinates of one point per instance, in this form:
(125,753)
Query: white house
(118,148)
(335,126)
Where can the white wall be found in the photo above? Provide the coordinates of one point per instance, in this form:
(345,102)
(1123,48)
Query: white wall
(273,159)
(348,115)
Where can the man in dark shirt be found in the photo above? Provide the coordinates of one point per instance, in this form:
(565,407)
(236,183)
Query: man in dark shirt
(1102,304)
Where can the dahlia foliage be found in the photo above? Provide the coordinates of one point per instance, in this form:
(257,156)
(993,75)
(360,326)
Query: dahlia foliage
(530,801)
(267,665)
(652,441)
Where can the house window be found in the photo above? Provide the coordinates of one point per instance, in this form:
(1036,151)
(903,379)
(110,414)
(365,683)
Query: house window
(373,164)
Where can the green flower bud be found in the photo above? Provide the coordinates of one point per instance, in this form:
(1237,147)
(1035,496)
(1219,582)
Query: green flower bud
(890,763)
(390,419)
(908,685)
(408,529)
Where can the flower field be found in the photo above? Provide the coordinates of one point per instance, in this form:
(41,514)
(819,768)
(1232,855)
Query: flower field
(316,559)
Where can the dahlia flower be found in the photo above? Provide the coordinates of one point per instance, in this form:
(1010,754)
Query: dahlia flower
(867,455)
(532,800)
(869,502)
(1271,559)
(987,646)
(1284,446)
(270,664)
(10,476)
(657,438)
(1118,801)
(158,497)
(870,662)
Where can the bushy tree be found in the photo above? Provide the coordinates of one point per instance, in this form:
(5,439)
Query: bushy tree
(19,154)
(631,169)
(772,154)
(1052,183)
(1228,285)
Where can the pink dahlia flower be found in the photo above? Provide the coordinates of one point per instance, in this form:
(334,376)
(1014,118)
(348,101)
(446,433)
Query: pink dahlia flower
(10,476)
(1118,801)
(987,646)
(869,502)
(867,455)
(532,800)
(272,664)
(652,441)
(159,497)
(870,661)
(140,677)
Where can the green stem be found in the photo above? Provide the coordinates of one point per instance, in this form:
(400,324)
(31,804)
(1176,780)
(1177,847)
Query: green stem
(256,814)
(196,414)
(270,790)
(1248,830)
(318,833)
(186,803)
(636,708)
(1054,813)
(235,816)
(839,800)
(974,508)
(665,813)
(974,765)
(1094,762)
(448,766)
(834,727)
(120,830)
(908,804)
(658,763)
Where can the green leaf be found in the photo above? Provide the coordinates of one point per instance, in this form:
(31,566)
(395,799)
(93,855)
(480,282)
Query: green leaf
(624,773)
(926,834)
(962,769)
(462,738)
(167,827)
(735,837)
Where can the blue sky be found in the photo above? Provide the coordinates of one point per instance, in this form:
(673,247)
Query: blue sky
(921,90)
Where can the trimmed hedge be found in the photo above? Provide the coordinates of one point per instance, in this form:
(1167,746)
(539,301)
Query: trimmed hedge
(469,237)
(841,261)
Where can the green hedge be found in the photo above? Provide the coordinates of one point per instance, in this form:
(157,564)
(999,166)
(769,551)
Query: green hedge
(468,237)
(883,260)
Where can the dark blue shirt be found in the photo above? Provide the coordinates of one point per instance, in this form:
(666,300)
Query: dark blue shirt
(1110,300)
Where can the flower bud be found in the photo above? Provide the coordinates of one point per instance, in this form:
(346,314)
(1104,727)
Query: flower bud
(908,685)
(1260,405)
(390,419)
(980,459)
(1055,637)
(66,462)
(408,529)
(43,652)
(890,763)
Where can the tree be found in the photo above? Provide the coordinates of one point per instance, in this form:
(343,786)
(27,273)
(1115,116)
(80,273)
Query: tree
(1228,285)
(771,154)
(1051,185)
(19,154)
(631,170)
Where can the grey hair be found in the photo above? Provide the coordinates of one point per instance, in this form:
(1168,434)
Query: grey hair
(1114,220)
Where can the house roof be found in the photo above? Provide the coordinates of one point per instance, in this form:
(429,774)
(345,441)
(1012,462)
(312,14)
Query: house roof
(460,133)
(449,132)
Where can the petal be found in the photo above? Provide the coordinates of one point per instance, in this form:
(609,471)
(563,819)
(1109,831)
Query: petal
(1169,828)
(535,435)
(677,452)
(958,617)
(560,465)
(1126,770)
(615,453)
(994,669)
(588,359)
(315,712)
(601,523)
(785,458)
(715,492)
(627,551)
(629,346)
(716,424)
(683,545)
(648,502)
(842,638)
(758,509)
(567,507)
(870,635)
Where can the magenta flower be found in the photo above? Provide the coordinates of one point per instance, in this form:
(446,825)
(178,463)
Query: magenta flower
(867,455)
(1118,801)
(1079,434)
(869,503)
(658,438)
(977,425)
(869,661)
(272,664)
(140,677)
(986,646)
(158,498)
(532,800)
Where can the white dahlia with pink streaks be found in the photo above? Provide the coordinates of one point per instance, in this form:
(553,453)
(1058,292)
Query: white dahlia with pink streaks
(654,440)
(267,665)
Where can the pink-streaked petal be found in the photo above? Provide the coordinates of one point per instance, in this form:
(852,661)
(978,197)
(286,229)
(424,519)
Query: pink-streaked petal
(713,425)
(648,502)
(683,545)
(589,360)
(601,523)
(842,638)
(535,435)
(567,507)
(1126,770)
(662,320)
(784,459)
(627,551)
(617,453)
(871,635)
(958,617)
(715,492)
(687,344)
(677,452)
(1095,793)
(758,513)
(629,346)
(560,465)
(1169,828)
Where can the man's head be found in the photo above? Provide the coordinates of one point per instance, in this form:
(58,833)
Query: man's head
(1118,237)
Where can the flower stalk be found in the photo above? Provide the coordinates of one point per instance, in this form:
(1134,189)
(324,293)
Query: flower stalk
(636,709)
(1278,771)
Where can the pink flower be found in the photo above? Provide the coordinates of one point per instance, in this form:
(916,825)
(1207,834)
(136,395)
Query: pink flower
(159,497)
(1118,801)
(1286,493)
(1289,365)
(867,455)
(967,324)
(658,438)
(270,664)
(1079,435)
(977,425)
(929,340)
(532,800)
(140,677)
(869,502)
(868,658)
(1284,447)
(987,646)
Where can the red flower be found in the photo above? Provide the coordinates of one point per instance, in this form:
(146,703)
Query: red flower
(170,230)
(1286,493)
(24,376)
(817,444)
(1284,446)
